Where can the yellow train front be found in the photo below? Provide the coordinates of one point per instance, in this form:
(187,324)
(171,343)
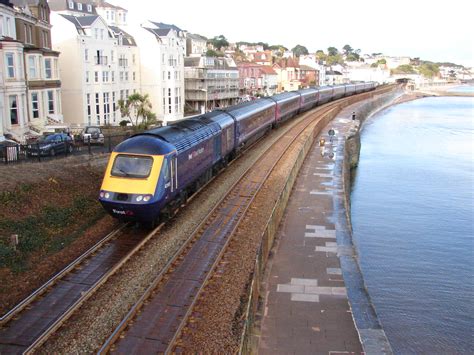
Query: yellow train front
(137,182)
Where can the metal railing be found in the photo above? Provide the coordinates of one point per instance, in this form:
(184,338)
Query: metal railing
(46,151)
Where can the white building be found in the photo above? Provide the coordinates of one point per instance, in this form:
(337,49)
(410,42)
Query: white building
(162,48)
(196,45)
(99,65)
(12,79)
(313,62)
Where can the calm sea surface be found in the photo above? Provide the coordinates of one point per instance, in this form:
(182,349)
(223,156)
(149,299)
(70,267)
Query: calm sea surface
(412,215)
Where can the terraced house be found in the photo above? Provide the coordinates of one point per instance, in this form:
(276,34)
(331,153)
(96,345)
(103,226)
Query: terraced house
(30,88)
(99,62)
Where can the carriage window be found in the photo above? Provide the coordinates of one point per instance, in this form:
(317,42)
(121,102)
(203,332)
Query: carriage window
(132,166)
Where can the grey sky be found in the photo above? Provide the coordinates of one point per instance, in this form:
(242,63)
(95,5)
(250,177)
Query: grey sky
(433,30)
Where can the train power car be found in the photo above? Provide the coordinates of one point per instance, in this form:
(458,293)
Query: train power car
(151,173)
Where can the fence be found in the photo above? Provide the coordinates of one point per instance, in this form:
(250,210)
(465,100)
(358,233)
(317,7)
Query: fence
(45,151)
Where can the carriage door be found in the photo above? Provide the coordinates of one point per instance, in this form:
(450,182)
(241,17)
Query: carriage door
(174,173)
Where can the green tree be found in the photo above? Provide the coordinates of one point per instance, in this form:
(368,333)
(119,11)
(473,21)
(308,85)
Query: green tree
(137,109)
(429,70)
(404,69)
(347,49)
(299,50)
(214,53)
(321,55)
(219,42)
(332,51)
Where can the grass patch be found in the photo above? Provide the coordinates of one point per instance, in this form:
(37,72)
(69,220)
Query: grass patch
(50,231)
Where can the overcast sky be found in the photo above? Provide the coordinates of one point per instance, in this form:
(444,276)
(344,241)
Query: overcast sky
(432,30)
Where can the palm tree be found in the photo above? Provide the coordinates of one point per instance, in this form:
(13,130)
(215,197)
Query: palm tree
(137,108)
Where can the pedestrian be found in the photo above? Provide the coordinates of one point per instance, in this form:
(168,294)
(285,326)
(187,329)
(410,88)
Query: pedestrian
(353,115)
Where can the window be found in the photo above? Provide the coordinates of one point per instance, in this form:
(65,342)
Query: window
(89,8)
(121,76)
(13,109)
(8,29)
(10,65)
(50,101)
(79,6)
(114,105)
(32,67)
(134,76)
(28,34)
(169,75)
(133,58)
(101,33)
(113,15)
(124,17)
(71,5)
(45,35)
(97,108)
(169,100)
(176,94)
(34,105)
(126,76)
(112,56)
(105,76)
(96,76)
(106,108)
(58,100)
(86,55)
(162,59)
(89,109)
(132,166)
(107,14)
(113,76)
(47,68)
(87,76)
(164,101)
(96,33)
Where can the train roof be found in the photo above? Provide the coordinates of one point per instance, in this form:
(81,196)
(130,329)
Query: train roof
(240,110)
(144,144)
(186,133)
(219,116)
(285,95)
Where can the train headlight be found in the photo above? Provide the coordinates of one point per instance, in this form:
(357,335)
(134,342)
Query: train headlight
(105,195)
(139,198)
(147,198)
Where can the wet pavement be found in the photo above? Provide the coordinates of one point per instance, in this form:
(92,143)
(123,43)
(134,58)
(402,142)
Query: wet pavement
(314,269)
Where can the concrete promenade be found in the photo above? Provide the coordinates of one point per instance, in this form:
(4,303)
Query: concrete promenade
(313,269)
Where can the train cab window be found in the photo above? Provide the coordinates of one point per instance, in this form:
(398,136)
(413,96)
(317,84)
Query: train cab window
(166,171)
(132,166)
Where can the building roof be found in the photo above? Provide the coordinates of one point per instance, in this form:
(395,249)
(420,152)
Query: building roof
(81,21)
(333,72)
(159,32)
(268,70)
(63,5)
(307,67)
(109,5)
(127,40)
(196,37)
(165,26)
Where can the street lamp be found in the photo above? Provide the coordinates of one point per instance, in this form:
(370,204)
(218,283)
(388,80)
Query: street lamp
(205,103)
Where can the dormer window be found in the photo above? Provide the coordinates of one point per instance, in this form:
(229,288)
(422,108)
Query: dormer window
(79,6)
(71,5)
(89,8)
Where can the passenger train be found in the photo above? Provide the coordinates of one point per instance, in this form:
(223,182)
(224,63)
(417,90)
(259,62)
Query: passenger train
(150,174)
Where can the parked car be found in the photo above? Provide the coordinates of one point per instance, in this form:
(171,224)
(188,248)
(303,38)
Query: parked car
(92,134)
(51,145)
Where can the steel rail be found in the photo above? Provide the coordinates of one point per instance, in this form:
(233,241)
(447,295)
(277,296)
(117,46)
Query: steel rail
(26,301)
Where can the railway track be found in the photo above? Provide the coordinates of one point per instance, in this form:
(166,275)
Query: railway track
(31,322)
(156,320)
